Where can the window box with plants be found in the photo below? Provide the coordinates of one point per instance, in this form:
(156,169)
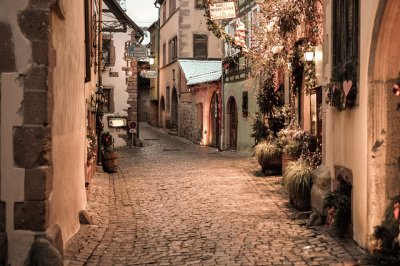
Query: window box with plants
(109,156)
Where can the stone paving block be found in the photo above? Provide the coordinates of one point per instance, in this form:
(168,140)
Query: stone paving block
(158,213)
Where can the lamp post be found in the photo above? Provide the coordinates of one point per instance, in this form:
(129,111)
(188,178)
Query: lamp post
(99,120)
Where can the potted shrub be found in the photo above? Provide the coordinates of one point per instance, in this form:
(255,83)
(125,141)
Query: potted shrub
(268,155)
(297,180)
(291,141)
(109,158)
(339,210)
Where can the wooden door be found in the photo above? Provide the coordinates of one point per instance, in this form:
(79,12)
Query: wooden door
(233,124)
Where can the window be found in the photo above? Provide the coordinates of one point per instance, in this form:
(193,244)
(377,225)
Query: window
(88,40)
(164,12)
(108,52)
(200,4)
(200,46)
(345,38)
(172,6)
(164,54)
(108,105)
(172,49)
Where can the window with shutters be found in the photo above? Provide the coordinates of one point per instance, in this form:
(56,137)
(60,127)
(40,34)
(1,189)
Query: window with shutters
(164,12)
(200,43)
(345,39)
(164,54)
(172,49)
(172,6)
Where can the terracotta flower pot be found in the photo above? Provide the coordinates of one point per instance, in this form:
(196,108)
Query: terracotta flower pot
(301,199)
(272,165)
(286,158)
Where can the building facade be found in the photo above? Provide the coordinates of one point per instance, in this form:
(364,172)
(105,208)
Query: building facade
(361,134)
(116,71)
(153,94)
(183,35)
(47,74)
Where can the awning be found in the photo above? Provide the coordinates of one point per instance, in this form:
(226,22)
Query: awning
(200,71)
(122,18)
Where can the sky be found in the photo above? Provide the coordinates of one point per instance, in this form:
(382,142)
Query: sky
(142,12)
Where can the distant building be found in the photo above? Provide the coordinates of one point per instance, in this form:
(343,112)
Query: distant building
(183,105)
(154,48)
(116,71)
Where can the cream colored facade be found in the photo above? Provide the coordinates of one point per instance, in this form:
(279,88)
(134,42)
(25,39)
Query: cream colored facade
(182,23)
(365,139)
(233,91)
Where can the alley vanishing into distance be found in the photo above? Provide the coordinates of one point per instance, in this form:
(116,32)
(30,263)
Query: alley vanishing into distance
(173,203)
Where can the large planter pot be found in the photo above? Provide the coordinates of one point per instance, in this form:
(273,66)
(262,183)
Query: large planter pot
(110,162)
(286,158)
(301,199)
(271,165)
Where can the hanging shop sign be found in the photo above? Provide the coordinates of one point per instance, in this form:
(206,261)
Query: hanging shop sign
(224,10)
(136,52)
(148,74)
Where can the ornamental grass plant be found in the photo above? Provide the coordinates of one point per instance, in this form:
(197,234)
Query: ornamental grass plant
(297,177)
(266,150)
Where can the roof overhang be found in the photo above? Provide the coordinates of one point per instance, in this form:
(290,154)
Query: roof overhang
(200,71)
(122,18)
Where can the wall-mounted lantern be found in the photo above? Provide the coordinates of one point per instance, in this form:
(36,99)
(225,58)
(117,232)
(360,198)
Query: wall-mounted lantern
(151,59)
(309,56)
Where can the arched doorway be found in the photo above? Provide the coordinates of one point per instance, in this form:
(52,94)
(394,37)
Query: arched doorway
(162,112)
(213,121)
(383,113)
(232,123)
(174,109)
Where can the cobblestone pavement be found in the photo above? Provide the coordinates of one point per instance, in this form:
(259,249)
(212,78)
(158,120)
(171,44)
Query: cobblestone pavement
(176,203)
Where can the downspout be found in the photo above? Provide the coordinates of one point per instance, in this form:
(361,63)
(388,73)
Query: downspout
(222,143)
(99,115)
(100,43)
(158,62)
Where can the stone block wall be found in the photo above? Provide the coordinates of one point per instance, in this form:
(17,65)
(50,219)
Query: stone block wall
(33,83)
(188,127)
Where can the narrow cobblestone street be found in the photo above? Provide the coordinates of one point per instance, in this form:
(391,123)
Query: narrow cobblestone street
(176,203)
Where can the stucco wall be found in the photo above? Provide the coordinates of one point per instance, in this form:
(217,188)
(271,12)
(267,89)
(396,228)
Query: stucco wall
(244,140)
(69,118)
(119,86)
(346,132)
(192,21)
(383,120)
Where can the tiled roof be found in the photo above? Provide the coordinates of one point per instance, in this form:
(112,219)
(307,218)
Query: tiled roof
(200,71)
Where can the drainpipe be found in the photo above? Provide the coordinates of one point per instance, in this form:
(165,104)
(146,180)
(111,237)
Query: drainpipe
(99,117)
(222,142)
(157,5)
